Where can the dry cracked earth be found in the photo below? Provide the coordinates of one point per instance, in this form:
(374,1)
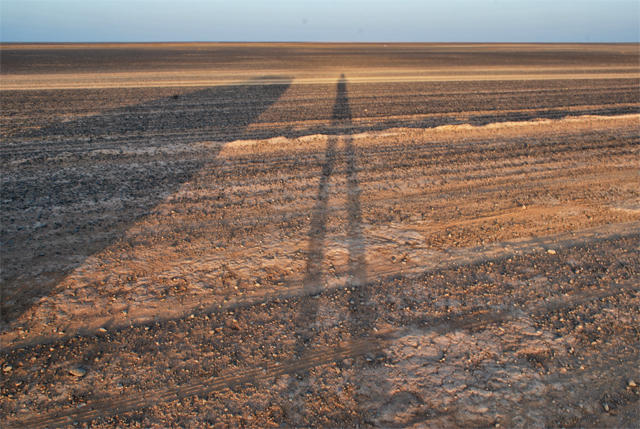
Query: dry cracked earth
(299,235)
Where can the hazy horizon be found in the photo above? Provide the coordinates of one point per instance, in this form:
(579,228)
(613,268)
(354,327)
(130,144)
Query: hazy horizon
(455,21)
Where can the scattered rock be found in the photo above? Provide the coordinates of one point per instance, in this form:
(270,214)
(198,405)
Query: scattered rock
(78,372)
(551,252)
(102,330)
(632,383)
(7,368)
(605,406)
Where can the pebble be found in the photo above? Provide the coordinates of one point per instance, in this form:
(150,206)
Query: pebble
(103,330)
(605,406)
(632,383)
(551,252)
(7,368)
(78,372)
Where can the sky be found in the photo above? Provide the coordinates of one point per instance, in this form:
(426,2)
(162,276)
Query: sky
(597,21)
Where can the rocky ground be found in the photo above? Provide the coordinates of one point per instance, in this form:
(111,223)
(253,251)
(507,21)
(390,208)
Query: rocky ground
(449,242)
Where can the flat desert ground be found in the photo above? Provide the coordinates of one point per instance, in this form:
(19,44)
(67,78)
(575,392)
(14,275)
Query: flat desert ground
(320,235)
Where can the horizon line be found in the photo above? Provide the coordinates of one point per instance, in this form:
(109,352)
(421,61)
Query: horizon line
(311,42)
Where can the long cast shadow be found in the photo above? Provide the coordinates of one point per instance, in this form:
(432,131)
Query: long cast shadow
(102,166)
(357,264)
(315,253)
(314,274)
(318,231)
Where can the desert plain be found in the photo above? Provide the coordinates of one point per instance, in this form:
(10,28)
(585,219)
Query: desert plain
(320,235)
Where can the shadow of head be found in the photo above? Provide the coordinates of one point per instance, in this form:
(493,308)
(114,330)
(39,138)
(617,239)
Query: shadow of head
(341,110)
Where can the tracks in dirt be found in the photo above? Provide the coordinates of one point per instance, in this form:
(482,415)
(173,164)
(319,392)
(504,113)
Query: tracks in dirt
(374,344)
(311,284)
(143,206)
(375,198)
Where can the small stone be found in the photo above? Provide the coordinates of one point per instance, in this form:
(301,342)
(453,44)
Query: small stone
(7,368)
(103,330)
(632,383)
(233,324)
(551,252)
(605,406)
(78,372)
(524,207)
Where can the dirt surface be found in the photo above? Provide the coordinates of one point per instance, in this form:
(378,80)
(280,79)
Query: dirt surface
(320,235)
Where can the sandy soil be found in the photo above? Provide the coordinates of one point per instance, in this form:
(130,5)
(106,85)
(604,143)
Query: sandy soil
(413,235)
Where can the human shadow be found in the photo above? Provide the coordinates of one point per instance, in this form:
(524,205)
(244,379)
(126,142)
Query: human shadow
(87,181)
(314,272)
(341,116)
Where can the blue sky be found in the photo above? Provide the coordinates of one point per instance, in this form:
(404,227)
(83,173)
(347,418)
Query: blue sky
(320,20)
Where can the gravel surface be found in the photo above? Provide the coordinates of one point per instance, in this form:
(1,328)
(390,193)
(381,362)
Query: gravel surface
(319,242)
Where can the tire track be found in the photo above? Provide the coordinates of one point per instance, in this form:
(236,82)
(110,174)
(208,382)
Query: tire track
(296,288)
(269,370)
